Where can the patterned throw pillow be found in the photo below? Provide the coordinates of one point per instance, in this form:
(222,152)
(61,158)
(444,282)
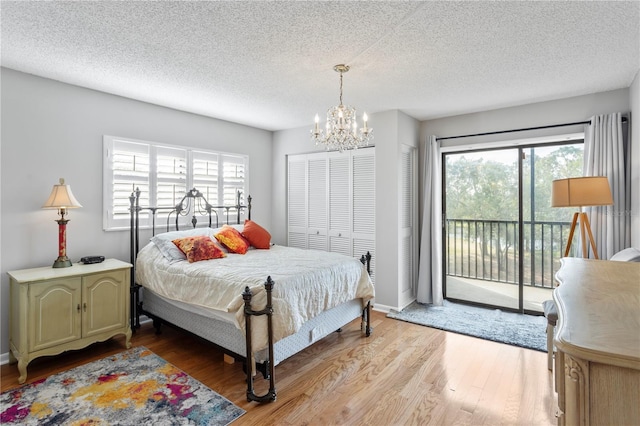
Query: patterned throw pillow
(232,239)
(164,242)
(257,236)
(199,248)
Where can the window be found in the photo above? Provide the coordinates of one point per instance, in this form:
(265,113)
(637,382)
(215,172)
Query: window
(164,173)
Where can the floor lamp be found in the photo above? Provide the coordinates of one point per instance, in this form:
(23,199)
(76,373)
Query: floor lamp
(581,192)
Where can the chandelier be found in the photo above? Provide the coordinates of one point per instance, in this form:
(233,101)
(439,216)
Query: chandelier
(342,131)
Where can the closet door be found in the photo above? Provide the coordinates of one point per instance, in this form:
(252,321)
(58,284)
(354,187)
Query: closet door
(317,202)
(363,179)
(407,228)
(339,192)
(297,201)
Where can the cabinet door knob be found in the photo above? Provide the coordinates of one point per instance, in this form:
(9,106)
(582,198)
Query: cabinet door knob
(84,306)
(78,307)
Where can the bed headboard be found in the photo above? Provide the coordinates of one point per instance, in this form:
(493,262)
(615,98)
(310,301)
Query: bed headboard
(192,203)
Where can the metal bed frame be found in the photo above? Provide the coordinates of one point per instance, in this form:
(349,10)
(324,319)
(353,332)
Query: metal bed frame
(195,203)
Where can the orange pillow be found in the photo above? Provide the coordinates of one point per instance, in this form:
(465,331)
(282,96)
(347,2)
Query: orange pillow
(257,236)
(232,239)
(199,248)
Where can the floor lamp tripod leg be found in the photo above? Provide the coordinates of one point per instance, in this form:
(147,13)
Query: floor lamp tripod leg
(573,228)
(585,220)
(583,236)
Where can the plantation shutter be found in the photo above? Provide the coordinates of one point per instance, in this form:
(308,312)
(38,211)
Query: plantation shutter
(129,163)
(205,175)
(164,174)
(233,179)
(171,176)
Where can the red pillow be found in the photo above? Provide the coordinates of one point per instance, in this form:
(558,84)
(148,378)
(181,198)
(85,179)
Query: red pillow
(199,248)
(257,236)
(232,239)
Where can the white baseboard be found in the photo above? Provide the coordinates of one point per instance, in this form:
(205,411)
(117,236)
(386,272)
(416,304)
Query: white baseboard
(386,309)
(382,308)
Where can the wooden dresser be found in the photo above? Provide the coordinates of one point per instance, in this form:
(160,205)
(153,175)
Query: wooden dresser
(598,342)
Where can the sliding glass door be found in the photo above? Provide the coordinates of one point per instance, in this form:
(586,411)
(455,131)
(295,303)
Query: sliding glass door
(481,227)
(502,240)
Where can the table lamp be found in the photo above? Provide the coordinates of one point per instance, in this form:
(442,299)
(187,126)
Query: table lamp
(62,198)
(581,192)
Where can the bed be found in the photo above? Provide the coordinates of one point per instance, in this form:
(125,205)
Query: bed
(260,307)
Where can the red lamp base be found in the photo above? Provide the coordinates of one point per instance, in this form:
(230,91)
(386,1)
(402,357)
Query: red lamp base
(62,261)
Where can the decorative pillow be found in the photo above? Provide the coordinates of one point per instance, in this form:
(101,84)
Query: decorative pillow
(232,239)
(257,236)
(199,248)
(165,244)
(239,227)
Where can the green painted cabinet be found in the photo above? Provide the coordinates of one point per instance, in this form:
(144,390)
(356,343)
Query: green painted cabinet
(58,309)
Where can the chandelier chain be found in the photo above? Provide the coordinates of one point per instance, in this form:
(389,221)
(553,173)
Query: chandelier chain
(340,87)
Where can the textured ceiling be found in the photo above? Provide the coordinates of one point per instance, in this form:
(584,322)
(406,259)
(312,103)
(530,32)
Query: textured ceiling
(269,64)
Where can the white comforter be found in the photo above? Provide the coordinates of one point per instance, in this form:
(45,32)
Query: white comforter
(307,282)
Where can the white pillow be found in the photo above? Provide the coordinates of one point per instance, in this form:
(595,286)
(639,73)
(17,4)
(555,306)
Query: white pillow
(164,242)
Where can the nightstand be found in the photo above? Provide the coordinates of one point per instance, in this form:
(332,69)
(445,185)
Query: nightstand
(53,310)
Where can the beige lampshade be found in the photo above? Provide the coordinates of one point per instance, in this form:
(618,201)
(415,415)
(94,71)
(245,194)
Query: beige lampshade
(581,192)
(61,198)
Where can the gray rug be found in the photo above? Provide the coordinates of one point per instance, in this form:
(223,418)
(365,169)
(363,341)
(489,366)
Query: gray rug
(526,331)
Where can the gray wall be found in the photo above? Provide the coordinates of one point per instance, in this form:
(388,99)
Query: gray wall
(52,130)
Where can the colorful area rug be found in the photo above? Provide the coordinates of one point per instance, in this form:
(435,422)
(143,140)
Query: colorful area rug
(135,387)
(526,331)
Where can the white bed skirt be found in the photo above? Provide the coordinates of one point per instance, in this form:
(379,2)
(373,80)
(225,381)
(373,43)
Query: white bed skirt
(227,335)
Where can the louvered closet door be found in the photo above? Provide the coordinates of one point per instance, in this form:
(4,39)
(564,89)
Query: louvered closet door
(317,202)
(364,204)
(297,201)
(407,231)
(339,203)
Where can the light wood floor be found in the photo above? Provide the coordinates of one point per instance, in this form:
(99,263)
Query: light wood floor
(403,374)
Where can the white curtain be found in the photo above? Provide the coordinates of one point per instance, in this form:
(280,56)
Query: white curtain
(606,154)
(430,269)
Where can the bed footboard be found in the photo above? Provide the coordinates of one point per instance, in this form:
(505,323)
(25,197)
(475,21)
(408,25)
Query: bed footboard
(270,396)
(365,324)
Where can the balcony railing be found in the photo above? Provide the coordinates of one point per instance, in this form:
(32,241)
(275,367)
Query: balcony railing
(488,250)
